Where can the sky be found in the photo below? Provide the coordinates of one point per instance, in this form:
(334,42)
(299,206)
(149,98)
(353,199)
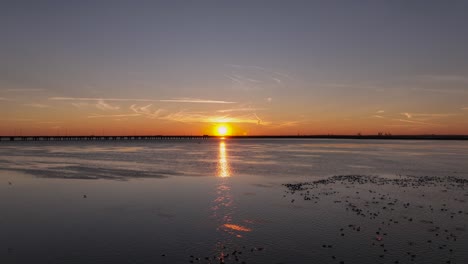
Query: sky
(261,67)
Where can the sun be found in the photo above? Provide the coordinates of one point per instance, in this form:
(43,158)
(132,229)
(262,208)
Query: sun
(222,130)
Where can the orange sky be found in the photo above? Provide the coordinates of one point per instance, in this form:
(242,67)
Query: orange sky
(59,118)
(300,67)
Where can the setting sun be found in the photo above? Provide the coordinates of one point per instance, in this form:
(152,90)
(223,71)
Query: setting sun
(222,130)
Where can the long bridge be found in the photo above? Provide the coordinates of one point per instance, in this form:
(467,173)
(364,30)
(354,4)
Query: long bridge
(96,138)
(204,137)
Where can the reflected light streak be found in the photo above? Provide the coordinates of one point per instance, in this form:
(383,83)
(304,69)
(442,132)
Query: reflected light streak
(238,227)
(223,207)
(223,166)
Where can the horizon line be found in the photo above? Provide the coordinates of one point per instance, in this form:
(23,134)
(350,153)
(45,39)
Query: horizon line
(305,136)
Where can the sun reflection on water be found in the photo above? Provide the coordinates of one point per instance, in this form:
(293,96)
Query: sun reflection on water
(223,205)
(223,166)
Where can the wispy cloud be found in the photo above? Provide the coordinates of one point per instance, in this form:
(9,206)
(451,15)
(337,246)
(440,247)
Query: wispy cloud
(436,90)
(428,115)
(4,99)
(408,115)
(259,121)
(112,116)
(17,119)
(195,100)
(464,108)
(445,78)
(233,79)
(102,105)
(175,100)
(353,86)
(277,80)
(289,123)
(245,82)
(25,90)
(187,116)
(254,77)
(247,78)
(80,104)
(202,117)
(142,109)
(48,122)
(378,116)
(99,99)
(147,111)
(37,105)
(246,67)
(251,67)
(380,112)
(247,109)
(414,122)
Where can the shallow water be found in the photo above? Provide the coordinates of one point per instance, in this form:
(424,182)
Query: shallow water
(165,201)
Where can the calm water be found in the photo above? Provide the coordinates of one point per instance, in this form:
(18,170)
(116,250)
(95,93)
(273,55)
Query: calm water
(166,201)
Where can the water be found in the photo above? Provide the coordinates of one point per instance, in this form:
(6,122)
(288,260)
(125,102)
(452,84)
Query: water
(165,201)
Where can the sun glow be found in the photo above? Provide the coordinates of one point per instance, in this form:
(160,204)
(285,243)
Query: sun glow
(222,130)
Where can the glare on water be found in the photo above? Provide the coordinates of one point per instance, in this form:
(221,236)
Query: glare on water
(122,202)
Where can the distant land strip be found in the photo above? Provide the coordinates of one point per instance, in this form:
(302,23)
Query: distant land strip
(204,137)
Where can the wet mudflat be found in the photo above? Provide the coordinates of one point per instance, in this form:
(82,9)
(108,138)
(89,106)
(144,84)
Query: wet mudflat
(400,219)
(234,201)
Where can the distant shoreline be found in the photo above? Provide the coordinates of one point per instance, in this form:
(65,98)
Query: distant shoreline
(204,137)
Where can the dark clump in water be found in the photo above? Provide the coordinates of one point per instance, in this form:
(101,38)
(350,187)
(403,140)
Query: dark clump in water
(403,218)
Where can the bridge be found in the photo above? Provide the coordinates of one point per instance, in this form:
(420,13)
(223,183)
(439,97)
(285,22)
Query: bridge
(204,137)
(97,138)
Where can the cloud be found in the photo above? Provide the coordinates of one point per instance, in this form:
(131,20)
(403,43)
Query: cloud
(146,111)
(112,116)
(258,68)
(239,110)
(143,109)
(80,105)
(380,112)
(445,78)
(259,121)
(353,86)
(289,123)
(4,99)
(201,117)
(48,122)
(233,79)
(106,107)
(269,99)
(175,100)
(245,82)
(246,67)
(186,116)
(37,105)
(246,78)
(17,119)
(25,90)
(408,115)
(378,116)
(446,91)
(464,108)
(99,99)
(435,115)
(252,77)
(428,115)
(414,122)
(195,100)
